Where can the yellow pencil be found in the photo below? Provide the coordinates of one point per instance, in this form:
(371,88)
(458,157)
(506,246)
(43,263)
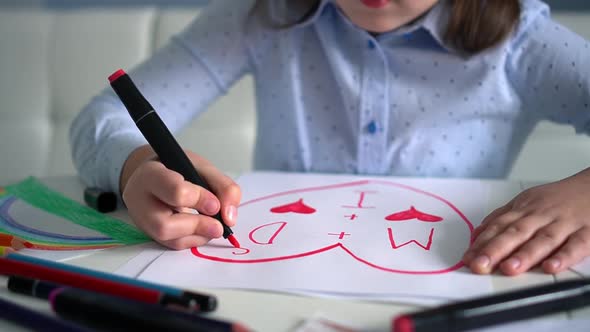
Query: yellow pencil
(6,250)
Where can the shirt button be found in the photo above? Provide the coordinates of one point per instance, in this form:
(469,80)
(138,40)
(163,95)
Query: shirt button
(372,127)
(370,44)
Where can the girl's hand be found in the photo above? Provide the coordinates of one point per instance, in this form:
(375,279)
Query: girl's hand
(548,225)
(159,201)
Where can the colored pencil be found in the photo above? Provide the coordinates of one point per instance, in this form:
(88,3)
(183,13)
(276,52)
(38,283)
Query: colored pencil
(5,251)
(499,308)
(25,269)
(9,240)
(206,302)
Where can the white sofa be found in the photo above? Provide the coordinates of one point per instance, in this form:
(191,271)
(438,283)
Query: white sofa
(52,62)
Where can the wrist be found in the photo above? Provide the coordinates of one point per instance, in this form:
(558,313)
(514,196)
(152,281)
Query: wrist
(134,160)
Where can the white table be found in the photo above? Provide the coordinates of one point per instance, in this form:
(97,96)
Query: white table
(264,311)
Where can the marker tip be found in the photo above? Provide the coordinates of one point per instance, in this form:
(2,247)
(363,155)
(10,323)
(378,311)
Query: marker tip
(232,239)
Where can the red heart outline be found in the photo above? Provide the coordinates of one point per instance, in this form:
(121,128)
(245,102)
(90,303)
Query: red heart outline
(195,251)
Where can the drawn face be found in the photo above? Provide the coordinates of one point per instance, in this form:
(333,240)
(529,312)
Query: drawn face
(384,225)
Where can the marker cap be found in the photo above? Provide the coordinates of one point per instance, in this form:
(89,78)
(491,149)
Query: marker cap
(102,201)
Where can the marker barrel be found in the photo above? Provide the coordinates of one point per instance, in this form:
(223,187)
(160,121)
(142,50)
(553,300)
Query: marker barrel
(206,302)
(157,134)
(25,269)
(498,309)
(118,314)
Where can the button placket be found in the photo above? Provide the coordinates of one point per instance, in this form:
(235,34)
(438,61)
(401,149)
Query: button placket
(372,116)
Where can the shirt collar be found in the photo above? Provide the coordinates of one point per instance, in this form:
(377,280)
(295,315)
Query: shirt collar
(434,21)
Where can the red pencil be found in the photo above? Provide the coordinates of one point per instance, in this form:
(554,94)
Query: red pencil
(9,240)
(67,278)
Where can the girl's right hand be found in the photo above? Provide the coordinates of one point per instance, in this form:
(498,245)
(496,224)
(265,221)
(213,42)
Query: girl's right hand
(160,201)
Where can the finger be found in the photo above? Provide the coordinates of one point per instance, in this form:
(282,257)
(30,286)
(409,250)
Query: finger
(171,188)
(492,229)
(492,216)
(544,242)
(186,242)
(576,248)
(505,242)
(225,188)
(181,225)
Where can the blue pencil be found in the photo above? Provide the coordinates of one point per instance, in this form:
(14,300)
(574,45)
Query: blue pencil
(34,320)
(206,302)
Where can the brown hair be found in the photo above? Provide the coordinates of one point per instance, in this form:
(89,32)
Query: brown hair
(473,25)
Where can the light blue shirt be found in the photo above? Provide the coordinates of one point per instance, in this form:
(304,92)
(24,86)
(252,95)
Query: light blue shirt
(333,98)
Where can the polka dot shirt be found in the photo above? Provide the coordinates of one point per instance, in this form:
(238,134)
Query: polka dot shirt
(332,97)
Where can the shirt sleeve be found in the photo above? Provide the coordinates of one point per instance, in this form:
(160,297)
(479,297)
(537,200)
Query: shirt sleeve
(180,80)
(548,65)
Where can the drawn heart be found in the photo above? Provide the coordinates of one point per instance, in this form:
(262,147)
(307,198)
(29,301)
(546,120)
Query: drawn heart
(295,207)
(351,218)
(412,213)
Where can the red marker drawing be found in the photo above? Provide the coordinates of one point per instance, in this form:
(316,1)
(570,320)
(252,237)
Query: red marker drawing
(295,207)
(412,213)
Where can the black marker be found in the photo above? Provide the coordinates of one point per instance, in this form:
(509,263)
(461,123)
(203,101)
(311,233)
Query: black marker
(32,287)
(159,137)
(497,309)
(113,313)
(102,201)
(42,288)
(34,320)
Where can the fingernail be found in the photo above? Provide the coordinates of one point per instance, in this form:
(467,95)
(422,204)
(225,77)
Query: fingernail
(513,262)
(231,213)
(210,206)
(554,262)
(482,261)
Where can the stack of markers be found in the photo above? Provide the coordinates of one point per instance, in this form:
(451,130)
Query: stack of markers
(85,300)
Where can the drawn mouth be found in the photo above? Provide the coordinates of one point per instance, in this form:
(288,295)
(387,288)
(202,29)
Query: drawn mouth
(400,242)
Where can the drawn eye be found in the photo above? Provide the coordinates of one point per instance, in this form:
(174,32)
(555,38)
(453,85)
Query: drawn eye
(295,207)
(412,213)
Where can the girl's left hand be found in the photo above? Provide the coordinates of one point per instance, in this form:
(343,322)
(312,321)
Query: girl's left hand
(547,225)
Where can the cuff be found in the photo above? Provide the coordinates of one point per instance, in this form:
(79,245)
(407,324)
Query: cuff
(113,157)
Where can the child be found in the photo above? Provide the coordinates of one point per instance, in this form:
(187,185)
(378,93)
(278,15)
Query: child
(447,88)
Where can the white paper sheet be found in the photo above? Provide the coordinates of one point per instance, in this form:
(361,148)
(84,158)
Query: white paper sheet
(58,255)
(135,266)
(358,236)
(583,267)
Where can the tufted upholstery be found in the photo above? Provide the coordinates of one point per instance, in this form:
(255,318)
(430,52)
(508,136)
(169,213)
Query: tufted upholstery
(52,63)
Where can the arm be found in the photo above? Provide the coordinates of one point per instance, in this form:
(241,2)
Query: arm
(549,68)
(180,81)
(546,225)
